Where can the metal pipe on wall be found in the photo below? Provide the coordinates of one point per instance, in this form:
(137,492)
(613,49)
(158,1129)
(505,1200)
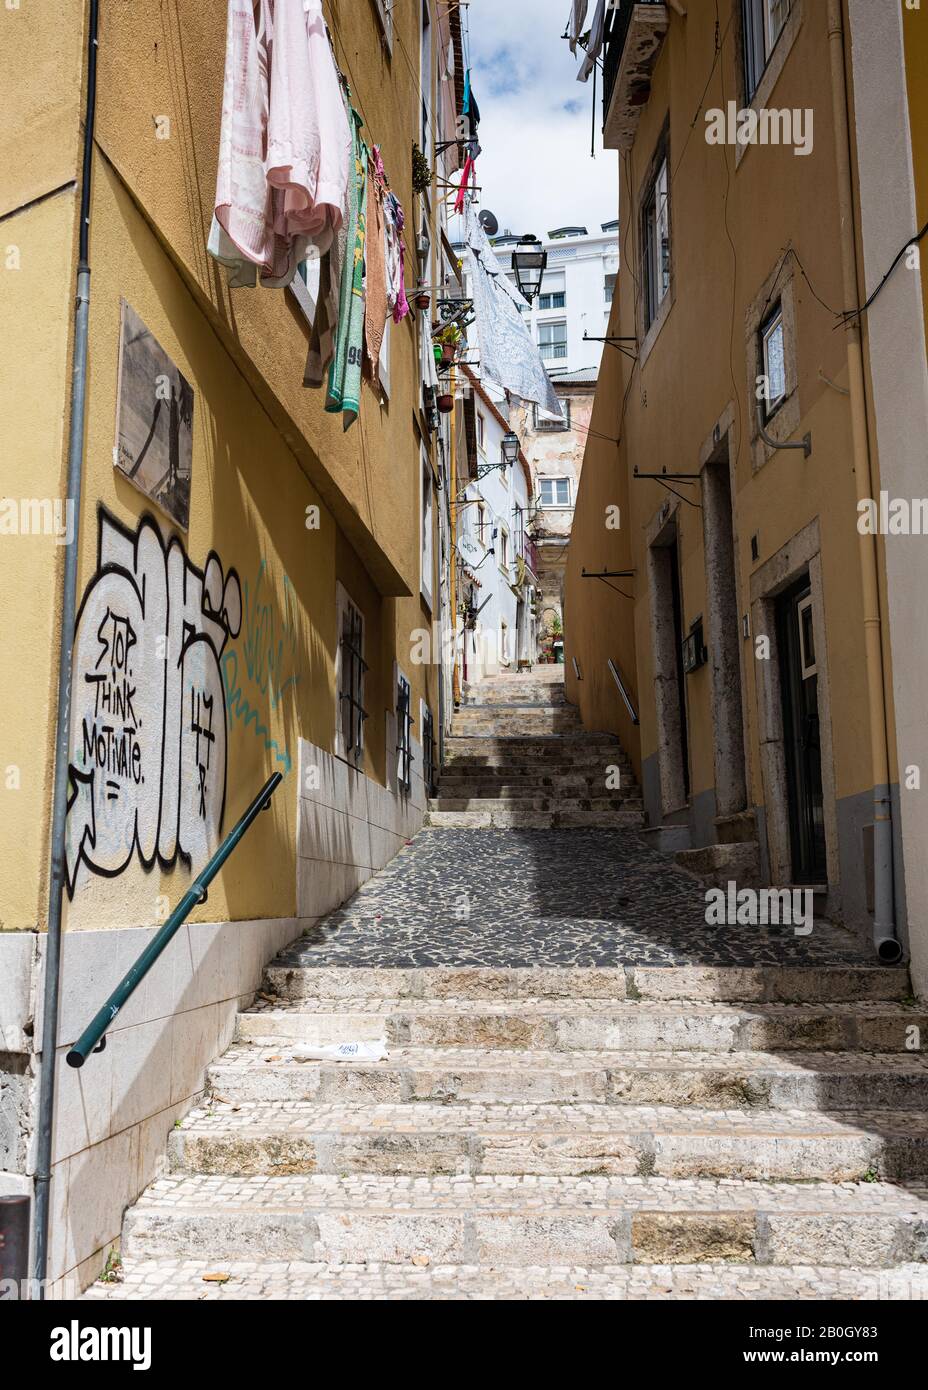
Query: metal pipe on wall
(58,866)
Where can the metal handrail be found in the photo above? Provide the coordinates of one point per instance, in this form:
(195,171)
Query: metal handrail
(93,1038)
(623,691)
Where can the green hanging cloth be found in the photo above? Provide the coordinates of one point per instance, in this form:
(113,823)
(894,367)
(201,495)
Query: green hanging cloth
(344,387)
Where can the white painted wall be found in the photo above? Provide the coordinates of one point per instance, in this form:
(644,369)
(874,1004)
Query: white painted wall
(584,261)
(501,491)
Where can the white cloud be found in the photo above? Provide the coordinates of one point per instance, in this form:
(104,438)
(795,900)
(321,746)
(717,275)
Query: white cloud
(535,171)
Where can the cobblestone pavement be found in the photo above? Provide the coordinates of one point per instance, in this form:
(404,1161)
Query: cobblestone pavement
(185,1279)
(546,897)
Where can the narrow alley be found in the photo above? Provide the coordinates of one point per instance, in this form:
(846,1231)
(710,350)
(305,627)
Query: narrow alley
(462,688)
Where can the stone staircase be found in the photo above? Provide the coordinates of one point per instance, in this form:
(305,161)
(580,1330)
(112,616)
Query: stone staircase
(611,1132)
(518,757)
(706,1129)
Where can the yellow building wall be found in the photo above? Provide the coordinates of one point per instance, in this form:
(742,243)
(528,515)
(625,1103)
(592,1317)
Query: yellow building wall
(730,226)
(35,308)
(263,448)
(599,623)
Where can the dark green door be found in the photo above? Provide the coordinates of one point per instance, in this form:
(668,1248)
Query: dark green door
(801,734)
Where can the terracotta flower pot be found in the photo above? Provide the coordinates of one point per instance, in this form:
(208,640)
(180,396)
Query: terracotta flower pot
(447,354)
(446,404)
(423,301)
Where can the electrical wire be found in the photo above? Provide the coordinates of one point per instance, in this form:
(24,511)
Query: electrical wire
(851,314)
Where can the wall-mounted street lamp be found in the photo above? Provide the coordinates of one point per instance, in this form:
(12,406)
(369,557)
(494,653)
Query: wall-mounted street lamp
(508,454)
(509,448)
(529,261)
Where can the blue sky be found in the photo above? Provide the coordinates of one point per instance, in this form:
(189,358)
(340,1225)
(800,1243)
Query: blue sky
(535,171)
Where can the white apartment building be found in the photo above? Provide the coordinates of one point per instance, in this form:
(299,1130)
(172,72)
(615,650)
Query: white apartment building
(576,293)
(496,565)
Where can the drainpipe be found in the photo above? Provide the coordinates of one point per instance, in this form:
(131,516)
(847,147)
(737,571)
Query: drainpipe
(887,945)
(43,1165)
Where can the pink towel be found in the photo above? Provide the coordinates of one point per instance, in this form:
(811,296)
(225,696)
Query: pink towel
(285,144)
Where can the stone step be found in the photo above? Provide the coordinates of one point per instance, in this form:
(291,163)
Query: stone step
(626,801)
(520,746)
(179,1278)
(582,774)
(290,1137)
(784,984)
(497,818)
(495,782)
(506,1222)
(514,724)
(541,697)
(450,1075)
(589,1024)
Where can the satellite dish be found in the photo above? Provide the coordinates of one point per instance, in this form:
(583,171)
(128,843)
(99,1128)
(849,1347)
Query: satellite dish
(488,222)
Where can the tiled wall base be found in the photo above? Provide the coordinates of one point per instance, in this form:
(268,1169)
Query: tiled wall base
(349,827)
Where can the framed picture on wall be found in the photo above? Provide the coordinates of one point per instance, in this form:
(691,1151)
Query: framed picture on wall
(154,420)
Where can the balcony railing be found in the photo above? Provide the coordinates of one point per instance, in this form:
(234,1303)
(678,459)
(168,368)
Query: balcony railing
(530,554)
(634,35)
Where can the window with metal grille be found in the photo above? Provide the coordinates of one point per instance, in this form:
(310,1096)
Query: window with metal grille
(404,723)
(351,670)
(428,751)
(552,339)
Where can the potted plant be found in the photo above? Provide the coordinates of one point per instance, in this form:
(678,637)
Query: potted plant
(422,300)
(449,340)
(421,173)
(446,403)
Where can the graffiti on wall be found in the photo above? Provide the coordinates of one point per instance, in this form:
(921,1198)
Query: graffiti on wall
(267,664)
(148,724)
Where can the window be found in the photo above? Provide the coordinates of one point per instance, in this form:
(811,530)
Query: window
(807,662)
(555,492)
(763,22)
(384,10)
(427,547)
(555,291)
(503,548)
(428,749)
(609,288)
(655,241)
(481,433)
(552,339)
(350,667)
(481,523)
(543,421)
(404,722)
(773,358)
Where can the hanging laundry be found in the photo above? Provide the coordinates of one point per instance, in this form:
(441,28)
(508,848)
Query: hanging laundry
(344,388)
(575,20)
(596,40)
(375,277)
(285,142)
(401,304)
(509,356)
(462,186)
